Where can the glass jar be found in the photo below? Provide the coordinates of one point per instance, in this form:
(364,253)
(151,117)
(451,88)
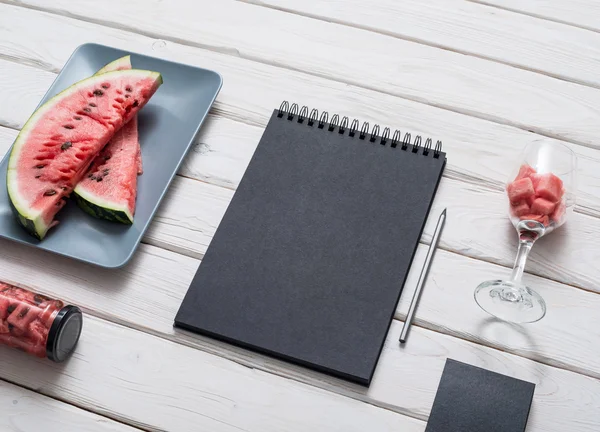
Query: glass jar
(37,324)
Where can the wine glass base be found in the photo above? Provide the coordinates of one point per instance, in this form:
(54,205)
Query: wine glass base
(510,302)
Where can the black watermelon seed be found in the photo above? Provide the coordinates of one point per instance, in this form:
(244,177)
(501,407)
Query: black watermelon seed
(93,105)
(129,89)
(10,326)
(127,96)
(98,92)
(99,179)
(38,176)
(63,187)
(66,145)
(24,312)
(11,308)
(135,103)
(77,118)
(50,192)
(69,127)
(105,86)
(107,157)
(38,299)
(93,177)
(40,166)
(86,109)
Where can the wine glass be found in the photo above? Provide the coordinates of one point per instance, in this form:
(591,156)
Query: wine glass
(540,195)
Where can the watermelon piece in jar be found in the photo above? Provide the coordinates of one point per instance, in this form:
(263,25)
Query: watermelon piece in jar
(543,219)
(520,209)
(38,332)
(49,311)
(535,179)
(4,305)
(22,316)
(520,190)
(550,187)
(525,171)
(559,213)
(542,206)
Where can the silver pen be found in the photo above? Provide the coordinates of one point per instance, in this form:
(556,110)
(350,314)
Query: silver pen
(424,271)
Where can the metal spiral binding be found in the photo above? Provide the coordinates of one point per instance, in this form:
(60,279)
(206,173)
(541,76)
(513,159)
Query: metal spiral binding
(295,113)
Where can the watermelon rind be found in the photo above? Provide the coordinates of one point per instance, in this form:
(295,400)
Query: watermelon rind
(119,64)
(31,219)
(92,204)
(102,209)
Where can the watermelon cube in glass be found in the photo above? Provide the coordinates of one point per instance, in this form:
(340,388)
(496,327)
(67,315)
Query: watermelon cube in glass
(540,194)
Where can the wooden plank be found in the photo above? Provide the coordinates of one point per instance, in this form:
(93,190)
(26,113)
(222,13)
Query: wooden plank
(578,13)
(191,212)
(23,410)
(133,379)
(442,78)
(469,28)
(146,294)
(159,385)
(252,90)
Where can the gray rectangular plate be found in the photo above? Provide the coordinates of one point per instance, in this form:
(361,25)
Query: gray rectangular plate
(168,125)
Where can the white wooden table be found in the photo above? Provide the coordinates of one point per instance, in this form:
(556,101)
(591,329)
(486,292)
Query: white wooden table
(486,76)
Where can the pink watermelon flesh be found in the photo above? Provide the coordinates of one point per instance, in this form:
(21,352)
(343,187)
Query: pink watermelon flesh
(544,204)
(520,190)
(549,187)
(140,165)
(520,209)
(525,171)
(124,63)
(57,144)
(110,187)
(558,213)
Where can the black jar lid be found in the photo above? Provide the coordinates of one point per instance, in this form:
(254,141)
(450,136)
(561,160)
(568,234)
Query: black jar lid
(64,333)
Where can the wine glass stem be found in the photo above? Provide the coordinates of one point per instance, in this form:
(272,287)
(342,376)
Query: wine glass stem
(525,246)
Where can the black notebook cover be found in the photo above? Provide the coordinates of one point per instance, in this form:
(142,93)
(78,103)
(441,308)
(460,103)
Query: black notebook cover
(312,253)
(473,399)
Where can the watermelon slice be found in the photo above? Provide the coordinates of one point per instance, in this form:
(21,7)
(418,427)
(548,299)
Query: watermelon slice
(123,63)
(109,189)
(58,142)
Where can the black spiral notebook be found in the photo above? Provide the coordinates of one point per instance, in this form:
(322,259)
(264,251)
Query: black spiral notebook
(313,251)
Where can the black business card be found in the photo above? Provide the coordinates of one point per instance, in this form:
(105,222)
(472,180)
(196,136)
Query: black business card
(472,399)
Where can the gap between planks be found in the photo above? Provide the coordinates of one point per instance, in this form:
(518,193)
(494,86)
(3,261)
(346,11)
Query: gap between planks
(449,173)
(302,378)
(257,3)
(80,407)
(534,15)
(424,241)
(395,36)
